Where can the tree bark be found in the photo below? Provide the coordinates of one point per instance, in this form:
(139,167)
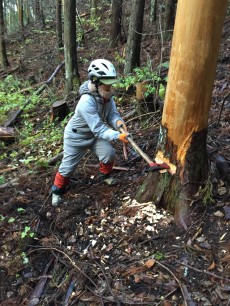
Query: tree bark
(183,133)
(153,11)
(59,23)
(115,30)
(170,12)
(3,56)
(20,14)
(72,79)
(93,9)
(133,49)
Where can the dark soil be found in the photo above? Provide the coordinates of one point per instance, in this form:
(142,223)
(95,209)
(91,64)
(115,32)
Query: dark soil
(101,247)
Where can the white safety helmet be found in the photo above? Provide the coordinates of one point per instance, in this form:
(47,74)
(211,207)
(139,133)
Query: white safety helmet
(103,71)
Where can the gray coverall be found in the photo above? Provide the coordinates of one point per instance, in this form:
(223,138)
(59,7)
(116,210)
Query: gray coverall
(90,128)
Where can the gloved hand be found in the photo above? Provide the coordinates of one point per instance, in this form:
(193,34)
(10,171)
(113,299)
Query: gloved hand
(120,124)
(123,137)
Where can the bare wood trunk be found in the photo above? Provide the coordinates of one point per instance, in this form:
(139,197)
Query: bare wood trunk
(184,124)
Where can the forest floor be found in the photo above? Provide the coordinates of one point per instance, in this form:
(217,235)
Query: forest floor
(101,247)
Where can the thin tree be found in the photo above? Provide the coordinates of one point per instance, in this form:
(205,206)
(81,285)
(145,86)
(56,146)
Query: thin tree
(170,12)
(59,23)
(133,48)
(70,46)
(94,9)
(153,11)
(115,29)
(183,133)
(38,12)
(3,56)
(20,8)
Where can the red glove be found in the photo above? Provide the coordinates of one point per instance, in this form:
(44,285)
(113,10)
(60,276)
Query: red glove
(123,137)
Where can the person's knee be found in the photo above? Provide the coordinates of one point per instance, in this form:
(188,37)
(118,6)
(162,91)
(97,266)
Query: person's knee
(108,156)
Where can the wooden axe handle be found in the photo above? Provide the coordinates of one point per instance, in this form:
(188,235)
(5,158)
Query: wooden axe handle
(137,148)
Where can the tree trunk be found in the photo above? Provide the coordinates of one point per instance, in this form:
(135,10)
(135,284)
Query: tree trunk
(27,12)
(71,68)
(133,49)
(183,133)
(3,56)
(115,30)
(93,9)
(38,12)
(20,14)
(153,11)
(59,23)
(170,12)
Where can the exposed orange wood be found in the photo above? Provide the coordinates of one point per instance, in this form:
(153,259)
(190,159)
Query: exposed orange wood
(160,158)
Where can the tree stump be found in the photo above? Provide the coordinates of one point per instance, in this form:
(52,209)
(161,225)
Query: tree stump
(7,134)
(59,110)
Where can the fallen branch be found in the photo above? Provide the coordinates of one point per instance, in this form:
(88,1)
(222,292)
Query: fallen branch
(70,291)
(55,159)
(18,112)
(4,73)
(35,295)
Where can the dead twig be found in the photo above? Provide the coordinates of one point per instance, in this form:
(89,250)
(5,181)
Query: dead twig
(187,298)
(222,106)
(202,271)
(105,276)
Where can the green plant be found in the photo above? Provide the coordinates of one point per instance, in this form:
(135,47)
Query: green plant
(2,179)
(26,232)
(207,192)
(2,218)
(159,256)
(154,84)
(25,259)
(11,220)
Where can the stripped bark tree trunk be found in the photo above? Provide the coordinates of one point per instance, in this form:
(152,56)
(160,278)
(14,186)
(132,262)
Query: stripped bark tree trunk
(183,133)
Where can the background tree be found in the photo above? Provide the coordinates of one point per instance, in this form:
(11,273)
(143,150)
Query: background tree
(170,13)
(20,14)
(94,4)
(133,48)
(59,23)
(38,12)
(70,46)
(115,30)
(153,10)
(3,55)
(184,124)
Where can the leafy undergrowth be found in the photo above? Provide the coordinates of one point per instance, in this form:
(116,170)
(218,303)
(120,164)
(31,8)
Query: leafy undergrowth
(101,247)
